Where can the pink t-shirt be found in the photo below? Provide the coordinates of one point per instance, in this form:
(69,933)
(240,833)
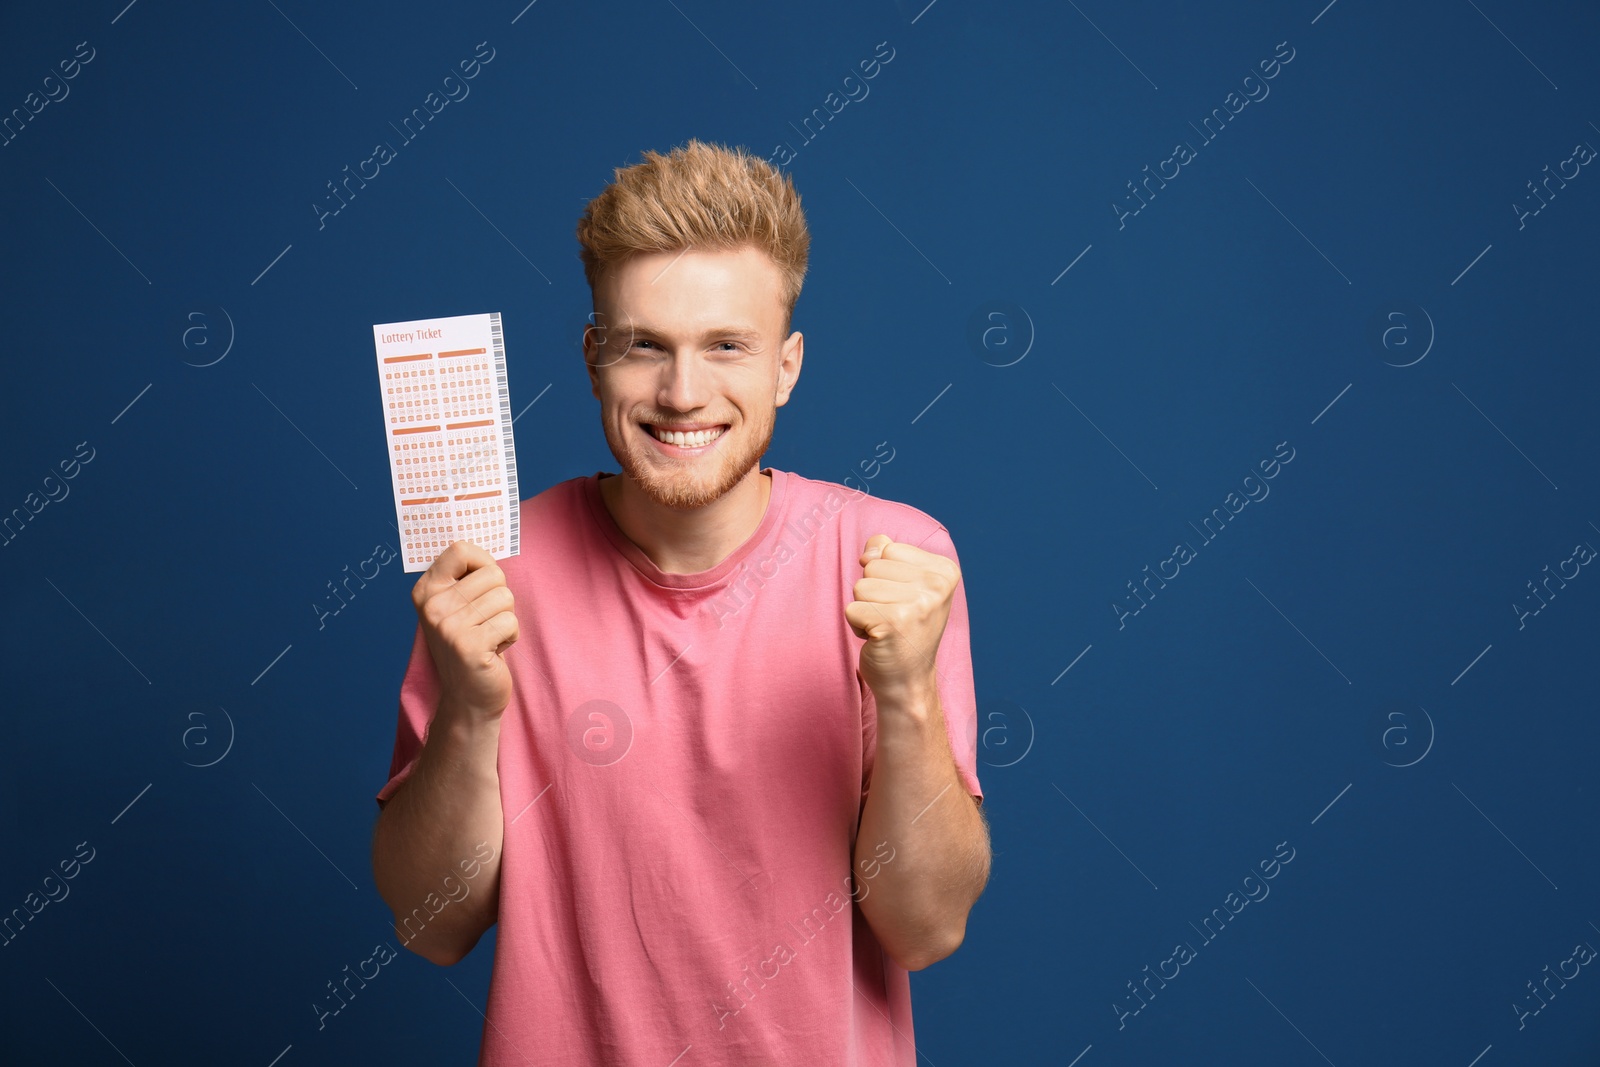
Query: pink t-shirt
(682,769)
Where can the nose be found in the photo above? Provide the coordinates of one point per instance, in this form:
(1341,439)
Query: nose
(685,383)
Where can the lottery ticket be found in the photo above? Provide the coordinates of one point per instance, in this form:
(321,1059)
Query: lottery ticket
(447,424)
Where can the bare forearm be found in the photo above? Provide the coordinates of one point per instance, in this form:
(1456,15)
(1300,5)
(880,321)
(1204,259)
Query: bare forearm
(436,849)
(917,904)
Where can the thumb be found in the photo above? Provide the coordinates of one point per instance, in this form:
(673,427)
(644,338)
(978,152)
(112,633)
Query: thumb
(875,547)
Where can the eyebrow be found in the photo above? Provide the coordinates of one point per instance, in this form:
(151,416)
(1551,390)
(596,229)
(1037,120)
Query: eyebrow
(741,333)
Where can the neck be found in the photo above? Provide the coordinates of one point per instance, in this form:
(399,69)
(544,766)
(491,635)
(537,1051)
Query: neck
(688,542)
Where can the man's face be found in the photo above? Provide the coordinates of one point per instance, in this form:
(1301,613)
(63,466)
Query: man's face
(691,339)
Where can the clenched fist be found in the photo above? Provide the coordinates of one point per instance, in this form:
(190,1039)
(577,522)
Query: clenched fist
(900,609)
(467,617)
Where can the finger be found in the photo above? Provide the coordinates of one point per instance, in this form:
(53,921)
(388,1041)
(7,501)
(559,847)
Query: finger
(894,570)
(481,625)
(473,615)
(875,546)
(885,591)
(483,575)
(492,603)
(459,559)
(504,629)
(860,616)
(900,550)
(480,581)
(447,567)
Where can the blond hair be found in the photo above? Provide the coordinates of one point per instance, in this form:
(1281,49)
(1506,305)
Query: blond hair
(700,196)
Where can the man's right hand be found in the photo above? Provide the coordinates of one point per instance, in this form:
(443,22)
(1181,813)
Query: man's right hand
(467,615)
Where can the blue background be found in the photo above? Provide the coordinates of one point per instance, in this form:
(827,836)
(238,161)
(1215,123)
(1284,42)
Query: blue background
(1342,669)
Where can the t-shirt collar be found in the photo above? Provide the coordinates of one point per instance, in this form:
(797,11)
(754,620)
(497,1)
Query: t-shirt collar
(705,579)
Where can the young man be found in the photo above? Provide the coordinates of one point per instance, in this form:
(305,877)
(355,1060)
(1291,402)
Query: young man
(706,749)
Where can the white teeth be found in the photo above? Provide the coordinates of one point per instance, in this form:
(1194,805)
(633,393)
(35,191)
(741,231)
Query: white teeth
(687,440)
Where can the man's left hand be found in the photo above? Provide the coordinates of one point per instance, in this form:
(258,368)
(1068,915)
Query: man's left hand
(900,609)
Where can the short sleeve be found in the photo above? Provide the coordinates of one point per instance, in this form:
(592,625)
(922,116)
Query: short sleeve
(957,691)
(419,698)
(953,663)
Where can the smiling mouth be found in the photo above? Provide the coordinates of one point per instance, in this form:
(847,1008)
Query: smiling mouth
(691,439)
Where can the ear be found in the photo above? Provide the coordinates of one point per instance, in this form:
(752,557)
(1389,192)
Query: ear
(590,347)
(791,355)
